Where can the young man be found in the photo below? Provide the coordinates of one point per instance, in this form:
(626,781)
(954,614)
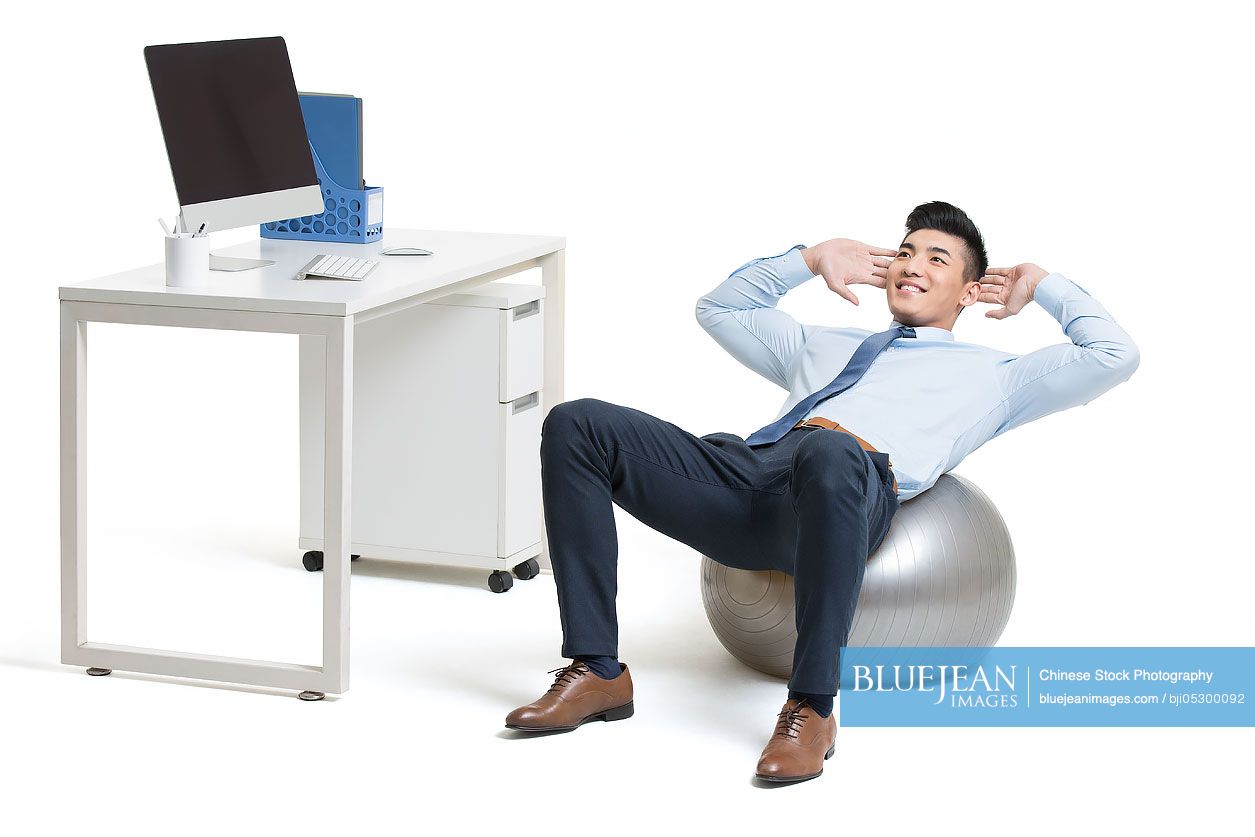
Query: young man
(871,420)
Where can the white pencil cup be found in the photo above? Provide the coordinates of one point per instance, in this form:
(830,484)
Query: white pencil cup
(187,261)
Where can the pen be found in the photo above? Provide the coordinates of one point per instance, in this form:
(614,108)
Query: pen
(202,227)
(162,222)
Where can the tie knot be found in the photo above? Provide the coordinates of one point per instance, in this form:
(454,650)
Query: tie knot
(906,331)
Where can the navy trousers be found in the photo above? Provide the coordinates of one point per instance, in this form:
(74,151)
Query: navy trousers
(813,505)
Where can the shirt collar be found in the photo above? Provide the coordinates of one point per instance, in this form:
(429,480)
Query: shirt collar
(928,332)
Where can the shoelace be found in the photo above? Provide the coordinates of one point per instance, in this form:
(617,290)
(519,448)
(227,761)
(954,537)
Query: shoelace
(567,674)
(791,720)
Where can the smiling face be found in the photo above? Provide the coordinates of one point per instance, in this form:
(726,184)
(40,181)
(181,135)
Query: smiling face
(926,285)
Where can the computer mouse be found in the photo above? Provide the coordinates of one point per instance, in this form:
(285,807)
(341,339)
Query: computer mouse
(407,251)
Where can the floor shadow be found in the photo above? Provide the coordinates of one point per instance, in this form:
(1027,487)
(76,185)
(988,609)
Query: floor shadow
(181,682)
(33,665)
(184,682)
(429,573)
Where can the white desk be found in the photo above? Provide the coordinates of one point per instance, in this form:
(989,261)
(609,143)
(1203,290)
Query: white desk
(269,300)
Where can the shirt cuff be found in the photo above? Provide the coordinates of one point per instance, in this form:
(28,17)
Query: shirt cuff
(791,267)
(1053,290)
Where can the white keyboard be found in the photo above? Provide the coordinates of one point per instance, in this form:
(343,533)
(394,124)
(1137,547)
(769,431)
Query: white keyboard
(337,267)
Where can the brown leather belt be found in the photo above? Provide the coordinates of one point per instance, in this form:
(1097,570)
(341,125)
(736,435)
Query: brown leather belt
(820,421)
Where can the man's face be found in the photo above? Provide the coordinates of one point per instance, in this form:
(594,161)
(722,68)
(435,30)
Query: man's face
(925,285)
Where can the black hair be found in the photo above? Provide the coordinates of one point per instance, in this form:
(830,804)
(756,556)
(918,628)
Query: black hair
(948,218)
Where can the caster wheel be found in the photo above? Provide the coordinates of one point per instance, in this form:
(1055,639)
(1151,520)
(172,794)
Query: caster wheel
(500,581)
(528,569)
(312,560)
(99,672)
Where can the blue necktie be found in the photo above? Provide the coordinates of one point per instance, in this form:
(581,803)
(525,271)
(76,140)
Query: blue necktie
(859,363)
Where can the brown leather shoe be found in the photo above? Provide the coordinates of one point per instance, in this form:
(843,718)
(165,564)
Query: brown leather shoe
(577,695)
(799,746)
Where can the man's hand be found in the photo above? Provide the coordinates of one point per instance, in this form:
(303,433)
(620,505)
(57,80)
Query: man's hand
(1010,287)
(844,261)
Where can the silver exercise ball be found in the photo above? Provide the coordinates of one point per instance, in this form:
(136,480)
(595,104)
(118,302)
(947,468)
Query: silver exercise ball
(944,575)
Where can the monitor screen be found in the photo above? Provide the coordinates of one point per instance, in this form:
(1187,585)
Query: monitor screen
(230,117)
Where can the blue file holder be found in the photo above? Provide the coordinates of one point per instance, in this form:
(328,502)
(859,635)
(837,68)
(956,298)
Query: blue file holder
(344,216)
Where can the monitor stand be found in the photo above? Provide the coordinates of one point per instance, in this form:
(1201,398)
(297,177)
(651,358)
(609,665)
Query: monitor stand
(235,263)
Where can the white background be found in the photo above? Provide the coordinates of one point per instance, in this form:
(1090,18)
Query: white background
(669,143)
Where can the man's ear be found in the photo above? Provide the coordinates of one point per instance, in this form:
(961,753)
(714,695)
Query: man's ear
(967,298)
(964,301)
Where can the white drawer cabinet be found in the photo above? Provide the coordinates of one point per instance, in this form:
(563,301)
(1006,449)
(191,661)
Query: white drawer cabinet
(447,408)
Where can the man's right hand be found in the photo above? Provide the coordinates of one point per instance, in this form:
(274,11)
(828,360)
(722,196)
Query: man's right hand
(844,261)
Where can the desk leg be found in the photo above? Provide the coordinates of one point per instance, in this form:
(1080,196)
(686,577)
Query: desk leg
(553,275)
(337,336)
(337,475)
(73,478)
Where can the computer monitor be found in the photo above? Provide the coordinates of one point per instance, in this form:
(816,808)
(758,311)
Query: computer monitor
(234,132)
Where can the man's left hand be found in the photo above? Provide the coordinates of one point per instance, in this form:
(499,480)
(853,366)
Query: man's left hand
(1010,287)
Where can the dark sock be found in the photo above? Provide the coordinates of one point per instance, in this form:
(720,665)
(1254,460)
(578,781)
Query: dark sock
(607,668)
(822,704)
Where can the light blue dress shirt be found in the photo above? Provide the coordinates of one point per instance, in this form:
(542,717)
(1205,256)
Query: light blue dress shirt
(927,401)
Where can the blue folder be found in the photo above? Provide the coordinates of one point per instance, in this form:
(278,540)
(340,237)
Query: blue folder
(334,124)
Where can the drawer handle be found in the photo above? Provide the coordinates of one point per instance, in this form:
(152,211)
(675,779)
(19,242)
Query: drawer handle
(527,309)
(518,405)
